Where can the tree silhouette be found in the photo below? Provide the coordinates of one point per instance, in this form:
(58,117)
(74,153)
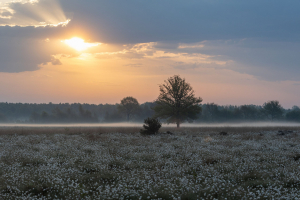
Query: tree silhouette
(274,109)
(151,126)
(177,102)
(2,118)
(129,106)
(211,111)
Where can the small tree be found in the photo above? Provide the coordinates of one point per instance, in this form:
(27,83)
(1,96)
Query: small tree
(274,109)
(129,106)
(151,126)
(177,102)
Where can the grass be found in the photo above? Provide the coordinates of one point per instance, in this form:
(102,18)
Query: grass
(120,163)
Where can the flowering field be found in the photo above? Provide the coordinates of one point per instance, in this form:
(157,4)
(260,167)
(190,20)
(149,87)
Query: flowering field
(119,163)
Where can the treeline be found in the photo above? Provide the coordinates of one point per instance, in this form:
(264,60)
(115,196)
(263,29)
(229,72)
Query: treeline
(215,113)
(68,113)
(91,113)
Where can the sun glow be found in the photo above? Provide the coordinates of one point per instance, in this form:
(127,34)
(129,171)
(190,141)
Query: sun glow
(79,44)
(33,13)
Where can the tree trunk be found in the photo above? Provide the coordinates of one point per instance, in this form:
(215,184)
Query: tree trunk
(272,117)
(178,124)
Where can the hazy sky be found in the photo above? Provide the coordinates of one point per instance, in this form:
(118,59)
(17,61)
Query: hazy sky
(232,52)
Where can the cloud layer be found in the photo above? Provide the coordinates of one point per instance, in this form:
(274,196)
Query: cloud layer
(253,37)
(32,13)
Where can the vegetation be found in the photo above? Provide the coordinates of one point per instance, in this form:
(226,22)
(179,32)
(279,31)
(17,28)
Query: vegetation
(59,116)
(89,113)
(194,163)
(129,106)
(151,126)
(273,109)
(294,114)
(177,102)
(2,118)
(68,113)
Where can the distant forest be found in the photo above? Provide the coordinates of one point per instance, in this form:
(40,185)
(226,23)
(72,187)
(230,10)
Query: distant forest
(109,113)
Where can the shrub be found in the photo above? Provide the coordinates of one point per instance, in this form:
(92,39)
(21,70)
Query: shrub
(151,126)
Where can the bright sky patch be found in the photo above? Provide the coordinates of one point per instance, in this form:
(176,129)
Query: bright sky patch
(79,44)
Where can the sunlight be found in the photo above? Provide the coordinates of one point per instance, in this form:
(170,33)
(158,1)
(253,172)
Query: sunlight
(42,14)
(79,44)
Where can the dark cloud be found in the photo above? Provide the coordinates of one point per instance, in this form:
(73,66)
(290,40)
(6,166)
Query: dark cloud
(25,53)
(19,54)
(269,60)
(136,21)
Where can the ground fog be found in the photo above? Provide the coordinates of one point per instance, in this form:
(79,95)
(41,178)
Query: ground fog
(137,125)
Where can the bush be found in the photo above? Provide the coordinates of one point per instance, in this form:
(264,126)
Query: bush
(151,126)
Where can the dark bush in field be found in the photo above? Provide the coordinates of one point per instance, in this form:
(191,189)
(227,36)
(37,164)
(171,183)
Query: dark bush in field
(151,126)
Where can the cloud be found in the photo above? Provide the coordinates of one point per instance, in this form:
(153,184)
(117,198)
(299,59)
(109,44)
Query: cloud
(134,65)
(183,21)
(184,66)
(190,46)
(22,53)
(33,13)
(135,51)
(55,61)
(252,37)
(18,55)
(267,60)
(6,13)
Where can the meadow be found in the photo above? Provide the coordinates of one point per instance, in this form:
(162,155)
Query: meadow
(120,163)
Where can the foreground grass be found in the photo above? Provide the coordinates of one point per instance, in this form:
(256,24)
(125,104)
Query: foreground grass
(119,163)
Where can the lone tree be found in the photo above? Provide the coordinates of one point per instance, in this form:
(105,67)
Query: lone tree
(177,102)
(274,109)
(129,106)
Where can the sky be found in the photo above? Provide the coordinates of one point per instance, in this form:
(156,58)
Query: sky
(99,51)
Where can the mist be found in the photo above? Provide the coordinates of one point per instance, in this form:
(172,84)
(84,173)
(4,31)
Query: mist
(107,115)
(187,125)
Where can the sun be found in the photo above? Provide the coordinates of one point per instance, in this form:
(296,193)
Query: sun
(79,44)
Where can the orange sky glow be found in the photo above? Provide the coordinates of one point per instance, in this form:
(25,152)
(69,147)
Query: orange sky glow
(137,70)
(77,56)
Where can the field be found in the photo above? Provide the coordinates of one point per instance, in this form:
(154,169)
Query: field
(119,163)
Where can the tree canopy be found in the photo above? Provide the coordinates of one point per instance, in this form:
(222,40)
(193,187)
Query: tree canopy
(129,106)
(274,109)
(177,102)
